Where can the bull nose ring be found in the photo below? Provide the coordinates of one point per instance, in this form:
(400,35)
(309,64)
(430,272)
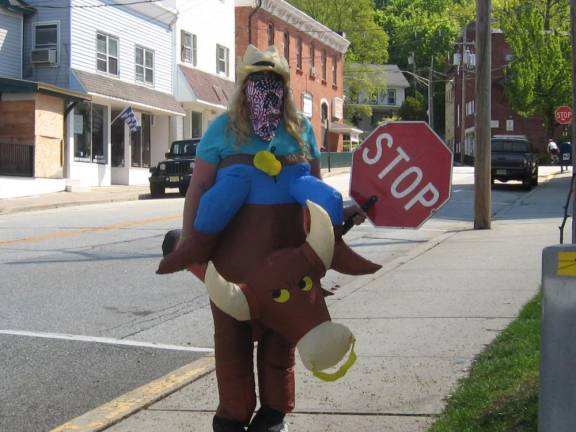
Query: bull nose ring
(330,377)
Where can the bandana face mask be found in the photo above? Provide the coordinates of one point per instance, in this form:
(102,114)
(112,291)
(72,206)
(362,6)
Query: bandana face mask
(265,96)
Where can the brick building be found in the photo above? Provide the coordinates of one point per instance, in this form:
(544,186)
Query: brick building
(460,99)
(315,55)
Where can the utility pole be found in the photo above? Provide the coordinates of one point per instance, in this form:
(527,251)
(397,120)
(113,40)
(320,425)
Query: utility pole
(431,94)
(573,16)
(482,161)
(463,103)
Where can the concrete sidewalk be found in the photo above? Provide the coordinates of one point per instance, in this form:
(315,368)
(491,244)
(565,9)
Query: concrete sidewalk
(419,322)
(97,195)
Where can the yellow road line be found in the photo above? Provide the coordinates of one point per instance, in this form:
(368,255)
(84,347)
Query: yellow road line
(120,408)
(78,232)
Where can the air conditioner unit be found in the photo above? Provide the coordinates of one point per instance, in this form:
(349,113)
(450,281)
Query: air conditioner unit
(44,56)
(312,72)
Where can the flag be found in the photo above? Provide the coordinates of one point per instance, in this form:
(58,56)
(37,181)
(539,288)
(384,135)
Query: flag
(129,118)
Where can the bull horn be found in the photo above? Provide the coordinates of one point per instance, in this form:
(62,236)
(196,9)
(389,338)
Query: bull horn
(227,296)
(321,235)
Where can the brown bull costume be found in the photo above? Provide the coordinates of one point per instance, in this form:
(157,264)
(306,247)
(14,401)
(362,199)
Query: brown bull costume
(262,271)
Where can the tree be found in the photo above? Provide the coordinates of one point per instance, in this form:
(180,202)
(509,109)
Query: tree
(538,77)
(356,20)
(413,108)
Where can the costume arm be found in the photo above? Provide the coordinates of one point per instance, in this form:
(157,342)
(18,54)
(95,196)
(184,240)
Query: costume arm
(202,179)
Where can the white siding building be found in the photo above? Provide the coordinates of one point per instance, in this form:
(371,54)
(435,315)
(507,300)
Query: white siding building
(205,70)
(121,56)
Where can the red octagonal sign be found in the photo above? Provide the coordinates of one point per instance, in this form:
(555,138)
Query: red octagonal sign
(408,168)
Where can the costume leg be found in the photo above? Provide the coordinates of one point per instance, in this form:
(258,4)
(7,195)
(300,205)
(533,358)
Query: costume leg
(234,350)
(345,260)
(276,362)
(216,208)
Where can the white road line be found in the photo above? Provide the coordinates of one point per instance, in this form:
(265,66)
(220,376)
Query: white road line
(104,340)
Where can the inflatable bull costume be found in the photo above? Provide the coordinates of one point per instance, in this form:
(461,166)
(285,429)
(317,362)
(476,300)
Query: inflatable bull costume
(262,240)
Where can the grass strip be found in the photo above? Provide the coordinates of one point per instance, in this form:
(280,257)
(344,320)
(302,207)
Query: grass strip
(501,391)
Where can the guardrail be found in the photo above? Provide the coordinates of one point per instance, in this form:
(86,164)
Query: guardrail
(17,160)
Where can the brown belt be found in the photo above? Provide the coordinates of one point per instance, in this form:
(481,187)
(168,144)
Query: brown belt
(249,160)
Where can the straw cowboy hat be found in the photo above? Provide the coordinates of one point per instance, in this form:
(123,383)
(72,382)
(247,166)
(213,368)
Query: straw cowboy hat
(260,61)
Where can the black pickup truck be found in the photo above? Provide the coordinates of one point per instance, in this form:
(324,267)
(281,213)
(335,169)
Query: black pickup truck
(514,159)
(176,169)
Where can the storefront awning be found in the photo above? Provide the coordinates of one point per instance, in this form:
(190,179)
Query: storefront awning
(13,85)
(138,97)
(344,129)
(207,88)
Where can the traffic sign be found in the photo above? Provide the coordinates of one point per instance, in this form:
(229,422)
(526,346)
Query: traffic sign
(563,114)
(408,168)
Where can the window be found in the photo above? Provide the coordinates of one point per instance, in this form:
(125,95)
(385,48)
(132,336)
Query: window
(189,48)
(106,53)
(144,65)
(312,55)
(391,97)
(334,71)
(270,34)
(46,36)
(299,53)
(323,65)
(307,104)
(222,55)
(196,124)
(140,143)
(287,46)
(90,132)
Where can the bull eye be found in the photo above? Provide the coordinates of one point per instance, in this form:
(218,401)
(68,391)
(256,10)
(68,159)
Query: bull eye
(281,295)
(305,284)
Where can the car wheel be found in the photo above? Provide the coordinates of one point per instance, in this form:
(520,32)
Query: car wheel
(527,183)
(183,189)
(156,189)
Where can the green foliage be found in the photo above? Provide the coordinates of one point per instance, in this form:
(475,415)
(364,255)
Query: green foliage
(413,108)
(539,77)
(501,392)
(368,41)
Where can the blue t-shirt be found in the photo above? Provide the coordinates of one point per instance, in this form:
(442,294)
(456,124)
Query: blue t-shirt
(218,142)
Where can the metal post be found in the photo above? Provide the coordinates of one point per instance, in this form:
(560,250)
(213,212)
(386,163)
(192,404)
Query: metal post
(573,16)
(482,160)
(431,94)
(557,398)
(463,103)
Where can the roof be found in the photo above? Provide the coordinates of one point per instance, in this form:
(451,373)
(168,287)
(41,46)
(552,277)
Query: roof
(18,6)
(208,88)
(147,98)
(344,128)
(12,85)
(295,17)
(390,73)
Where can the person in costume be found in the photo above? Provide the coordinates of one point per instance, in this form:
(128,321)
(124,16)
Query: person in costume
(256,167)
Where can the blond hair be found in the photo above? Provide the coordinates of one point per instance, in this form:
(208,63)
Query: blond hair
(239,119)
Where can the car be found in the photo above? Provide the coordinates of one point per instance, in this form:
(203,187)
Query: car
(513,158)
(565,155)
(175,171)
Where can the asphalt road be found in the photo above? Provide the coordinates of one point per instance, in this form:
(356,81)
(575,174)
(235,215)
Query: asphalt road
(88,271)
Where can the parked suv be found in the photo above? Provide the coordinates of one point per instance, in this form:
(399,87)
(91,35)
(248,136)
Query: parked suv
(514,159)
(176,169)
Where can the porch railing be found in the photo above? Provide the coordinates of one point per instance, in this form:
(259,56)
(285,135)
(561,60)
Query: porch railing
(17,160)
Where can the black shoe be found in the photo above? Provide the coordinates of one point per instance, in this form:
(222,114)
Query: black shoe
(221,424)
(268,420)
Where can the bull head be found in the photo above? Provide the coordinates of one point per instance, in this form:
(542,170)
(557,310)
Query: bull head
(285,295)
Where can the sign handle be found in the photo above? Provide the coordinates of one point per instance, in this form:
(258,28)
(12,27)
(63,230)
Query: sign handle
(349,223)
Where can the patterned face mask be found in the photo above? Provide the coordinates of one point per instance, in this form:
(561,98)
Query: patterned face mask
(265,94)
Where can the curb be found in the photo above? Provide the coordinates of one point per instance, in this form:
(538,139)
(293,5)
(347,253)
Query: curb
(132,402)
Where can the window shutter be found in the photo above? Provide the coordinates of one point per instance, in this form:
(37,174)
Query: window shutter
(227,61)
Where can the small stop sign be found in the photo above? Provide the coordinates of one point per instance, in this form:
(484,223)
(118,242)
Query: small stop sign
(408,168)
(563,114)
